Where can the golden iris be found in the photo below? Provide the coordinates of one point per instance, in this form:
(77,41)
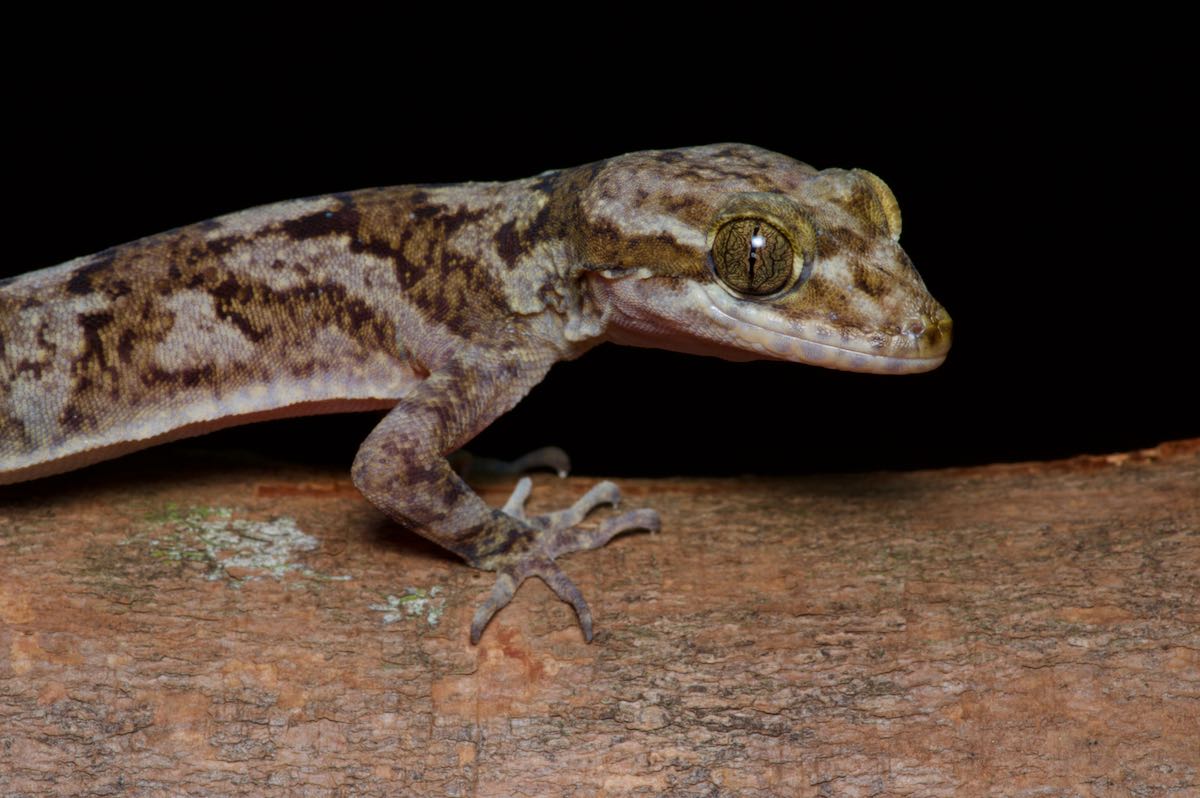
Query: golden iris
(752,256)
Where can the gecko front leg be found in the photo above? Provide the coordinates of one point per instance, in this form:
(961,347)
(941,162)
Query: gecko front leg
(402,469)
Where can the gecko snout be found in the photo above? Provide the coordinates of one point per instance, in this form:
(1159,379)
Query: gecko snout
(930,331)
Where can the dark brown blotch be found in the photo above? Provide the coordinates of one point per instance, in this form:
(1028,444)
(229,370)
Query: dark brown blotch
(498,536)
(117,289)
(192,377)
(869,281)
(34,367)
(344,220)
(45,343)
(71,420)
(407,273)
(231,290)
(243,323)
(125,346)
(304,369)
(93,325)
(155,377)
(412,472)
(508,243)
(423,213)
(607,247)
(679,203)
(453,220)
(219,246)
(81,282)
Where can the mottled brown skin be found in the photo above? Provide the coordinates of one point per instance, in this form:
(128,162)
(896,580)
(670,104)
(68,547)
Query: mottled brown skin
(449,303)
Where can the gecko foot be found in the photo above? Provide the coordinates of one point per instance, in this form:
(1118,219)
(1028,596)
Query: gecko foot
(546,537)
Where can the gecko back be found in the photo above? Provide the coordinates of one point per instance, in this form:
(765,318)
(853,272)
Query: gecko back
(259,314)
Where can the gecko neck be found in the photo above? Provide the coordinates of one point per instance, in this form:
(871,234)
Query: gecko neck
(487,261)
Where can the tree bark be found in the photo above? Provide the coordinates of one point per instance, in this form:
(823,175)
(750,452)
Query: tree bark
(172,625)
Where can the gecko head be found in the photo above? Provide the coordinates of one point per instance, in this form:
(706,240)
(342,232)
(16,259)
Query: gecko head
(735,251)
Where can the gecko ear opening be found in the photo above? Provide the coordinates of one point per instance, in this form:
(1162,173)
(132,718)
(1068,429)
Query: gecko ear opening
(887,213)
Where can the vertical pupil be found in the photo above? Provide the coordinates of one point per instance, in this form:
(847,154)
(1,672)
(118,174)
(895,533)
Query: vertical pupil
(756,243)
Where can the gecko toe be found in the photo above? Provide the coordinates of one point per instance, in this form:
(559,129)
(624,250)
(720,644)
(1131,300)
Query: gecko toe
(600,494)
(566,590)
(502,593)
(569,539)
(515,506)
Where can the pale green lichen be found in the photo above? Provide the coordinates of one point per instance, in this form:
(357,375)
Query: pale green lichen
(237,549)
(414,602)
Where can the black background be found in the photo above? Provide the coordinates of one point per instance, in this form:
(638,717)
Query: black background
(1048,194)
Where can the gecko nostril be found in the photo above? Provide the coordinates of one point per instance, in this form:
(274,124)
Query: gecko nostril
(915,328)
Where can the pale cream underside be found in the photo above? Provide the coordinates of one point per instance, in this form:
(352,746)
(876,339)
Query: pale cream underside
(97,449)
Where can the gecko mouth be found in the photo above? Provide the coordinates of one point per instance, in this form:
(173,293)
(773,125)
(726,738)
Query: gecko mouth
(705,320)
(921,347)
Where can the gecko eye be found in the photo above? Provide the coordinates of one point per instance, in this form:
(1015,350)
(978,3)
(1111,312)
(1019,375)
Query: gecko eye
(752,256)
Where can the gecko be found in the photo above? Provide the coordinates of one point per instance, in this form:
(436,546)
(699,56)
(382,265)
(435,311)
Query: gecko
(447,304)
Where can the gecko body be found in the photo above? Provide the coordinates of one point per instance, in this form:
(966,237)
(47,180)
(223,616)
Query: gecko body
(447,304)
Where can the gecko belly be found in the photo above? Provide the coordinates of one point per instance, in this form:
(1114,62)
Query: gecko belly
(43,461)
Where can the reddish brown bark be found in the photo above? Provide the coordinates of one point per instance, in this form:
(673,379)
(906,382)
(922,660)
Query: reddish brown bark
(1011,630)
